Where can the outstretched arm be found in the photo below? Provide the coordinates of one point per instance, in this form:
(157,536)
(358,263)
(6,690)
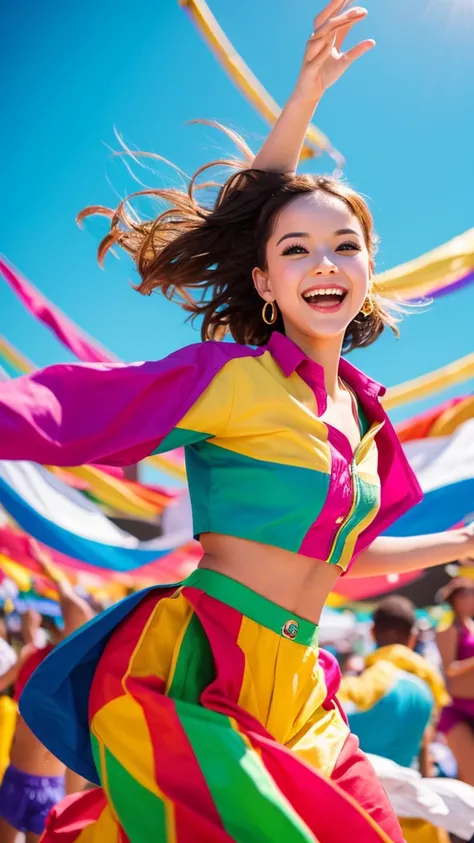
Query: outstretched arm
(324,62)
(116,414)
(392,555)
(75,610)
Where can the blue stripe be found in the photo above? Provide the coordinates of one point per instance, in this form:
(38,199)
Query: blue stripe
(439,510)
(94,553)
(55,700)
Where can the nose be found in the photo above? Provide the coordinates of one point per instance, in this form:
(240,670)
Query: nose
(324,267)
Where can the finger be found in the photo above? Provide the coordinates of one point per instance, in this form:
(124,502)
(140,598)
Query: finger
(323,53)
(335,7)
(319,48)
(358,51)
(351,16)
(328,33)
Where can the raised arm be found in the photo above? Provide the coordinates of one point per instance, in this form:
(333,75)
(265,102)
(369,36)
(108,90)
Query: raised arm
(75,610)
(323,64)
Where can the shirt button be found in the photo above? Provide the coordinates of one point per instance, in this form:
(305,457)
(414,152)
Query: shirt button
(340,519)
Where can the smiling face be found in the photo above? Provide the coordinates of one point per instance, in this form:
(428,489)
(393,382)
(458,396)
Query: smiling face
(318,267)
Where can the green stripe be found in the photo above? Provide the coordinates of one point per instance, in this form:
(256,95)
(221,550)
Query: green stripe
(277,504)
(252,605)
(252,808)
(367,498)
(140,812)
(178,438)
(194,669)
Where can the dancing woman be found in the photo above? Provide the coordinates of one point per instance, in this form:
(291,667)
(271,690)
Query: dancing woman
(456,645)
(206,710)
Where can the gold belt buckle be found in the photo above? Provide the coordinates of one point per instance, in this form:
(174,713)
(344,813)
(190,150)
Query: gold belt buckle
(290,629)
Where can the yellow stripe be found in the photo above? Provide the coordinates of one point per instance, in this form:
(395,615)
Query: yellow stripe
(14,358)
(284,687)
(431,271)
(353,535)
(301,438)
(122,717)
(456,372)
(453,417)
(105,829)
(113,492)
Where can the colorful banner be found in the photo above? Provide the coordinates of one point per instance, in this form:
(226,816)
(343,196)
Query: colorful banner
(444,467)
(64,519)
(76,340)
(442,270)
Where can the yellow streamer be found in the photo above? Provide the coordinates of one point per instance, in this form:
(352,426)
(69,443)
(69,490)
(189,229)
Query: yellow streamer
(456,372)
(246,81)
(14,358)
(433,270)
(113,492)
(453,417)
(16,572)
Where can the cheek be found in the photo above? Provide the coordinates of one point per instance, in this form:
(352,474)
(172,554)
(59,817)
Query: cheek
(285,278)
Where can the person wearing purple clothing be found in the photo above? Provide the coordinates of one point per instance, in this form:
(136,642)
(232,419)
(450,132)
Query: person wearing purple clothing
(456,645)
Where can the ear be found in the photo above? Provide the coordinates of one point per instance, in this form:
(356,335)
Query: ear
(262,284)
(412,641)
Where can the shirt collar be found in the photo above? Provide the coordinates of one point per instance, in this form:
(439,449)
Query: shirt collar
(290,357)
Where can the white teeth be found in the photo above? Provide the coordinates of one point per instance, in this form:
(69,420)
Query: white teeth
(332,291)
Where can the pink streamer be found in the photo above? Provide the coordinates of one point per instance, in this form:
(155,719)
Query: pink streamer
(82,346)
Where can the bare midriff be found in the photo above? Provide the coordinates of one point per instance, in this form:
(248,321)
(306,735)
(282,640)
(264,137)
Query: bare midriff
(30,756)
(297,583)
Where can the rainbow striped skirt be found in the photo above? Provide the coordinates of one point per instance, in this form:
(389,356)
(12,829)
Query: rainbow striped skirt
(212,717)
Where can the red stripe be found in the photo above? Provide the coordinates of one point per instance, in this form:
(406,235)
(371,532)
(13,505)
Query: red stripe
(72,815)
(222,625)
(178,774)
(320,803)
(355,775)
(115,660)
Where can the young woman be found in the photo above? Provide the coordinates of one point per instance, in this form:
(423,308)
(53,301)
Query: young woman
(456,645)
(205,709)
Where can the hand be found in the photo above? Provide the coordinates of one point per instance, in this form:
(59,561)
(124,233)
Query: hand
(45,563)
(324,62)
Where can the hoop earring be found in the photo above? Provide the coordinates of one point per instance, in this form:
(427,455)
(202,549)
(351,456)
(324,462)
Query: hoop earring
(274,313)
(368,306)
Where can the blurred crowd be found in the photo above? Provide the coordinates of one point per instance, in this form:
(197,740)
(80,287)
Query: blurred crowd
(407,690)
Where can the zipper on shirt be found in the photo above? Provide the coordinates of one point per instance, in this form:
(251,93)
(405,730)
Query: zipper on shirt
(352,467)
(355,500)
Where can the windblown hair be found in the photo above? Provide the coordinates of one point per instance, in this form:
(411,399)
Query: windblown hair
(203,253)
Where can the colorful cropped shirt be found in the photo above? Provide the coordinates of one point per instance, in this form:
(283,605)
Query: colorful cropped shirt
(261,463)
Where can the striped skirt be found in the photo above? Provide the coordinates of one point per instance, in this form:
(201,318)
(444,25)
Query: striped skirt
(213,718)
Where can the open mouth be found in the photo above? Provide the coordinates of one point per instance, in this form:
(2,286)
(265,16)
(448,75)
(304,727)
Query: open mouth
(327,299)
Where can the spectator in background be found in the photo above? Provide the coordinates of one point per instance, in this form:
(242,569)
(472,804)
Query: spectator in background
(456,645)
(391,705)
(35,779)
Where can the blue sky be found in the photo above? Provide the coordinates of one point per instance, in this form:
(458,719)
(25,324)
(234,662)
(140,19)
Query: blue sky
(403,117)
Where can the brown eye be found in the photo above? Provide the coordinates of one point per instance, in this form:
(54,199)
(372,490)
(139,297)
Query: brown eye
(295,249)
(349,246)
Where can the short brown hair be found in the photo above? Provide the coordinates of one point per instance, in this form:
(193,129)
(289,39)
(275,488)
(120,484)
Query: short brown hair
(394,617)
(203,254)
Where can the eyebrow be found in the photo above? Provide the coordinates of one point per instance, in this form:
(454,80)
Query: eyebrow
(305,234)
